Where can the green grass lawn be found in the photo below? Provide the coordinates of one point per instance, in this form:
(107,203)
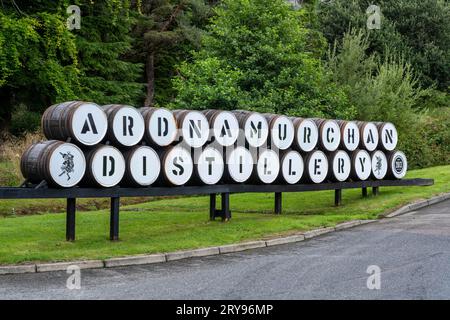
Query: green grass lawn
(174,224)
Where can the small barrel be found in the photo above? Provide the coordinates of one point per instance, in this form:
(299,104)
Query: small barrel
(193,127)
(60,164)
(125,125)
(349,135)
(361,165)
(340,166)
(208,166)
(379,164)
(105,167)
(255,127)
(142,166)
(176,166)
(306,134)
(281,131)
(292,167)
(397,165)
(388,136)
(368,133)
(266,168)
(329,134)
(224,126)
(238,165)
(84,123)
(160,126)
(316,167)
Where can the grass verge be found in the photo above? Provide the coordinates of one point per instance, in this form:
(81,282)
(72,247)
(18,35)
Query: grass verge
(176,224)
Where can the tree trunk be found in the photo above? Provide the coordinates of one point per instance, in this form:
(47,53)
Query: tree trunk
(150,70)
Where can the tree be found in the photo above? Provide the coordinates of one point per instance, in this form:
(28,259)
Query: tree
(260,55)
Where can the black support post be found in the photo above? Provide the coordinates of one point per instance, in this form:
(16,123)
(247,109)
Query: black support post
(226,214)
(278,202)
(364,192)
(337,197)
(212,206)
(114,219)
(70,219)
(375,191)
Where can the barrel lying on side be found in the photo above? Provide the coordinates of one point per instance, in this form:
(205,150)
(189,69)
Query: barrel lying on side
(176,166)
(142,166)
(266,168)
(105,167)
(349,135)
(388,136)
(238,165)
(316,167)
(125,125)
(224,126)
(160,126)
(208,166)
(59,163)
(397,165)
(340,166)
(254,126)
(368,133)
(361,165)
(292,167)
(193,127)
(306,134)
(281,131)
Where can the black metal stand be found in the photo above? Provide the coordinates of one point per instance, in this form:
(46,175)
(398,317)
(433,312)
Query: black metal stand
(70,219)
(278,202)
(376,191)
(337,197)
(224,212)
(114,219)
(364,192)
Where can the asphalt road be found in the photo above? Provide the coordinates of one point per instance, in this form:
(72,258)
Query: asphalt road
(412,252)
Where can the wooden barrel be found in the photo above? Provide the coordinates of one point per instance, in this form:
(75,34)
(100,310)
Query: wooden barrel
(84,123)
(379,164)
(176,166)
(193,127)
(349,135)
(224,126)
(208,166)
(105,166)
(238,165)
(397,165)
(368,133)
(281,131)
(316,167)
(142,166)
(329,134)
(160,126)
(60,164)
(361,165)
(340,166)
(388,136)
(267,167)
(306,134)
(292,167)
(125,125)
(254,126)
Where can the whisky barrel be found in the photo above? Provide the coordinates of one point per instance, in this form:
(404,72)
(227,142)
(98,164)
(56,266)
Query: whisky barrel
(329,134)
(160,126)
(208,166)
(125,125)
(84,123)
(281,131)
(176,166)
(361,165)
(397,165)
(105,166)
(193,127)
(142,166)
(368,133)
(60,164)
(306,134)
(379,164)
(254,126)
(267,167)
(316,167)
(224,126)
(388,136)
(292,166)
(238,165)
(340,166)
(349,135)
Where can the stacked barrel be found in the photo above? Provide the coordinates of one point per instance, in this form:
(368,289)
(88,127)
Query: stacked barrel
(106,146)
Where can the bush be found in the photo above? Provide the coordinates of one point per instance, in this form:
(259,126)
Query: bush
(24,121)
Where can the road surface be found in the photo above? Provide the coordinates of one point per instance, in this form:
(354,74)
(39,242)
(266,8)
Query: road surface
(412,251)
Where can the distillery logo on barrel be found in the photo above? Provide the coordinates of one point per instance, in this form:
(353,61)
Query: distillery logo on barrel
(341,165)
(399,165)
(369,136)
(89,124)
(268,166)
(178,166)
(240,164)
(161,127)
(379,165)
(210,166)
(362,165)
(281,132)
(107,166)
(195,129)
(292,167)
(225,128)
(143,165)
(317,165)
(350,136)
(256,130)
(67,165)
(307,134)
